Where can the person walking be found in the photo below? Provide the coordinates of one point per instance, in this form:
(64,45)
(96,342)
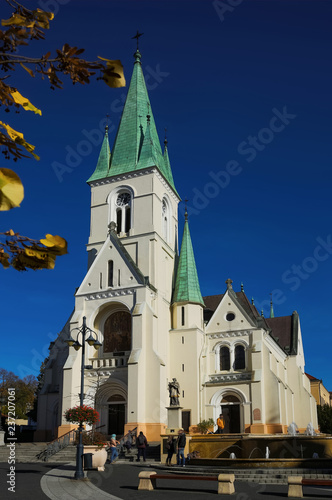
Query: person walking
(181,459)
(113,450)
(141,443)
(171,448)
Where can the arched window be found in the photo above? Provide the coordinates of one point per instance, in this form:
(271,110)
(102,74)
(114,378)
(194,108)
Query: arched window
(240,359)
(123,211)
(117,332)
(166,218)
(225,362)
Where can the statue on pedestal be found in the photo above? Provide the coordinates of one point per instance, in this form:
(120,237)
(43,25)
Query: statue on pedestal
(174,392)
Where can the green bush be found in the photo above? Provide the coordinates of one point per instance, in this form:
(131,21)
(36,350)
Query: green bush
(324,414)
(204,425)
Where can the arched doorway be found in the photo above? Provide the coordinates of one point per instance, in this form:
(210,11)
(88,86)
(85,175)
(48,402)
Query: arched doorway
(230,407)
(116,414)
(111,403)
(231,403)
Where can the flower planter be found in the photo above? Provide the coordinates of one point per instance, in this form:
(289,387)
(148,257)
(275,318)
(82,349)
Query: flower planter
(99,456)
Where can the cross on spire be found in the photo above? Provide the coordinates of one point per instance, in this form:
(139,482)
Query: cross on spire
(138,34)
(185,209)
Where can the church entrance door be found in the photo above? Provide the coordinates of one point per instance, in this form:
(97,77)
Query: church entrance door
(231,409)
(116,418)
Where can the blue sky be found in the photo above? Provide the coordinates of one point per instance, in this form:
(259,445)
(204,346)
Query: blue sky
(244,91)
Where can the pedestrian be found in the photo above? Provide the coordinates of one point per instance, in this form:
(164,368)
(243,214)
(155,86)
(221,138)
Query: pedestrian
(220,424)
(181,443)
(141,443)
(114,452)
(171,448)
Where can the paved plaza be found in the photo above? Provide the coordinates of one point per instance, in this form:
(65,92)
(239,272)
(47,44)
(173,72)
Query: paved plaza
(120,481)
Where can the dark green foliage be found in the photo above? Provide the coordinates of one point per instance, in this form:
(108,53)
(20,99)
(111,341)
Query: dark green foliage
(325,418)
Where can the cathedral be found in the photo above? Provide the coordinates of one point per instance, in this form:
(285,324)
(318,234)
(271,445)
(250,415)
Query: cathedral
(142,298)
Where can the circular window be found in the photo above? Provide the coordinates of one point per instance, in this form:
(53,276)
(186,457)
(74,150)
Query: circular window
(230,316)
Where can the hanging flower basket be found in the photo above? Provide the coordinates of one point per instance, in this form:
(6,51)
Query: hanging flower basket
(82,415)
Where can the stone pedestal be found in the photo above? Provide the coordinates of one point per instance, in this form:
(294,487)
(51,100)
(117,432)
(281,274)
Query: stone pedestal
(2,438)
(174,419)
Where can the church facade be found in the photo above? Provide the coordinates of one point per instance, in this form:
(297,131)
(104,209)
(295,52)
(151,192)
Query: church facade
(143,300)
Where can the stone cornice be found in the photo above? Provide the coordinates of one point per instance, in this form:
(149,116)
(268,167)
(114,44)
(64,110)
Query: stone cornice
(227,335)
(107,294)
(229,377)
(121,177)
(133,175)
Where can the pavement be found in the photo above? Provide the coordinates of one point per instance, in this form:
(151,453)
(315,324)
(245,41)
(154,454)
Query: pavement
(120,481)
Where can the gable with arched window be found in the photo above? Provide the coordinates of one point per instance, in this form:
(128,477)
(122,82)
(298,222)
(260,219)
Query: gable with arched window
(117,332)
(231,356)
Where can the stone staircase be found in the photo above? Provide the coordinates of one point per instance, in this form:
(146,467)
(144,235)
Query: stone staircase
(27,453)
(261,476)
(152,453)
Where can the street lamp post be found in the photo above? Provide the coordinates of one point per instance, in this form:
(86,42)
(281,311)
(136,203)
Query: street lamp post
(79,474)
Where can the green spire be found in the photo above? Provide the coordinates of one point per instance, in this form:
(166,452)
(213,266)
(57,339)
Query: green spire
(103,163)
(187,285)
(167,166)
(136,145)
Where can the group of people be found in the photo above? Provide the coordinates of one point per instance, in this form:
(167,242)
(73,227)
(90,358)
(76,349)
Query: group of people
(173,445)
(141,443)
(177,445)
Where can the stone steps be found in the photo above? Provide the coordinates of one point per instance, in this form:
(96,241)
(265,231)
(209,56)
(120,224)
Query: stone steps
(24,452)
(262,476)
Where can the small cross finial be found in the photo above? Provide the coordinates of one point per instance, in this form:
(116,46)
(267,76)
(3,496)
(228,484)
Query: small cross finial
(242,289)
(165,140)
(106,126)
(229,283)
(185,209)
(138,34)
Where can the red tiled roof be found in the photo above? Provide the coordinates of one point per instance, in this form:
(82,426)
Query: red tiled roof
(310,377)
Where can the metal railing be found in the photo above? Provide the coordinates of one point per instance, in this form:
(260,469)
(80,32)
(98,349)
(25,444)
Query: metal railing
(60,443)
(56,445)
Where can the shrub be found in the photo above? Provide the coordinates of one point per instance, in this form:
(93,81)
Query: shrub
(204,425)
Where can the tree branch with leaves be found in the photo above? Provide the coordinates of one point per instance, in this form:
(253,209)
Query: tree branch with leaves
(23,26)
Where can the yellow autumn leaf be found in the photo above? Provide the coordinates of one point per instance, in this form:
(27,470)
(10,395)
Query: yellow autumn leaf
(31,73)
(38,254)
(113,74)
(43,18)
(23,260)
(57,243)
(17,20)
(11,189)
(25,103)
(19,139)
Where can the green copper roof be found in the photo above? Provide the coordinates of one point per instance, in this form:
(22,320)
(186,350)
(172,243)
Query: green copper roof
(136,144)
(103,163)
(187,286)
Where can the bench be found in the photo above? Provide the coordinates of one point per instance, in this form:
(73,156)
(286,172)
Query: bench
(295,484)
(147,480)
